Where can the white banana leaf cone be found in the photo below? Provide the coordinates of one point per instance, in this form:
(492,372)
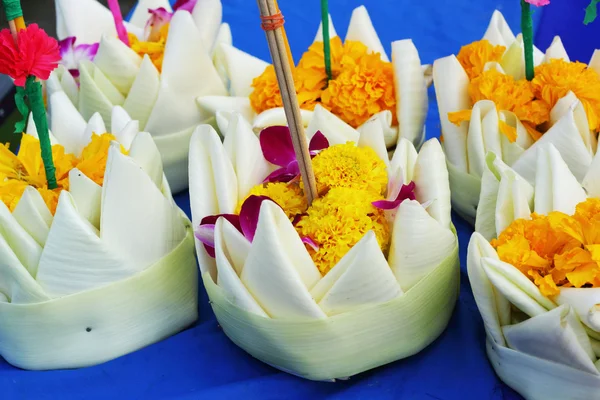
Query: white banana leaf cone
(270,298)
(163,102)
(551,354)
(111,272)
(411,80)
(467,145)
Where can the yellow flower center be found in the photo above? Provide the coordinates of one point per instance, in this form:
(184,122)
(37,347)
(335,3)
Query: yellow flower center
(556,250)
(27,169)
(289,196)
(474,56)
(362,83)
(155,49)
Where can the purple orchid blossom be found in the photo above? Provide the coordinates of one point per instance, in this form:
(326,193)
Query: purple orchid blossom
(159,17)
(71,55)
(278,149)
(186,5)
(246,223)
(398,192)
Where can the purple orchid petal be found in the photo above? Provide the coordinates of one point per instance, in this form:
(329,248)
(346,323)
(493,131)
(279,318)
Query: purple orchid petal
(206,231)
(71,55)
(249,215)
(159,17)
(276,145)
(407,192)
(285,174)
(318,142)
(386,204)
(308,241)
(66,45)
(187,5)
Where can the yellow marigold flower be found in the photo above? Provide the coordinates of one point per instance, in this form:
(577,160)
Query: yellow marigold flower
(154,49)
(474,56)
(359,92)
(545,283)
(555,79)
(93,157)
(342,56)
(337,221)
(348,166)
(289,196)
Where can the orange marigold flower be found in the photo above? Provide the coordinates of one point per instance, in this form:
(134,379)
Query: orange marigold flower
(474,56)
(557,78)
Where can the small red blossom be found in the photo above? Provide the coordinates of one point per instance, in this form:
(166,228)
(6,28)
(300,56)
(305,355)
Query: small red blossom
(35,53)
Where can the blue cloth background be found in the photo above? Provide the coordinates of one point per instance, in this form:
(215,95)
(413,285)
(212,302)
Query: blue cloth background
(201,362)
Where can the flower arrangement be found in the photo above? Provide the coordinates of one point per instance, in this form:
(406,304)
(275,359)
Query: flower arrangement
(156,68)
(535,277)
(73,207)
(503,95)
(354,80)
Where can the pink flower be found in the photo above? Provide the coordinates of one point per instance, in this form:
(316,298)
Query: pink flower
(159,17)
(538,3)
(35,54)
(187,5)
(277,148)
(398,192)
(72,55)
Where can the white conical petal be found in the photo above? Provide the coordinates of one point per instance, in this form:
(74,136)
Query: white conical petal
(87,196)
(33,215)
(335,130)
(585,301)
(515,201)
(361,29)
(512,151)
(238,69)
(516,287)
(390,133)
(332,32)
(244,151)
(237,246)
(411,90)
(119,119)
(137,222)
(492,305)
(431,179)
(228,279)
(567,139)
(16,283)
(143,92)
(556,336)
(187,73)
(556,187)
(69,85)
(118,62)
(485,221)
(141,15)
(513,60)
(366,279)
(276,116)
(106,86)
(213,184)
(372,136)
(126,135)
(223,38)
(498,31)
(67,124)
(145,154)
(85,19)
(213,105)
(91,98)
(591,181)
(571,104)
(595,61)
(207,15)
(419,244)
(405,157)
(484,136)
(75,258)
(279,271)
(451,90)
(96,126)
(26,249)
(556,51)
(53,84)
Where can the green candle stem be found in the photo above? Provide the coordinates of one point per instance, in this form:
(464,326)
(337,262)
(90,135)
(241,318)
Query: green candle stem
(33,91)
(326,39)
(527,29)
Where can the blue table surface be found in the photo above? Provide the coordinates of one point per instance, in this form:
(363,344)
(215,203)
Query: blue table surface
(201,362)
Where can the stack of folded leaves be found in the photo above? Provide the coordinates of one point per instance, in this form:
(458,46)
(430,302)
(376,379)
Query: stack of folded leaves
(96,259)
(361,84)
(496,96)
(155,67)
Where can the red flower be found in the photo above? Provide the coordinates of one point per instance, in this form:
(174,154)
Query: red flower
(35,54)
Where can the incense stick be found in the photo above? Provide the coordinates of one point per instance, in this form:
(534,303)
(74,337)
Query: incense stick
(283,70)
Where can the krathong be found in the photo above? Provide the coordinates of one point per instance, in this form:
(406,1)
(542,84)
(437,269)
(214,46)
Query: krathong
(365,84)
(96,260)
(492,100)
(535,273)
(155,72)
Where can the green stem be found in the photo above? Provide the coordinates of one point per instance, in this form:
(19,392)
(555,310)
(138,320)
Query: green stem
(35,98)
(527,29)
(326,39)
